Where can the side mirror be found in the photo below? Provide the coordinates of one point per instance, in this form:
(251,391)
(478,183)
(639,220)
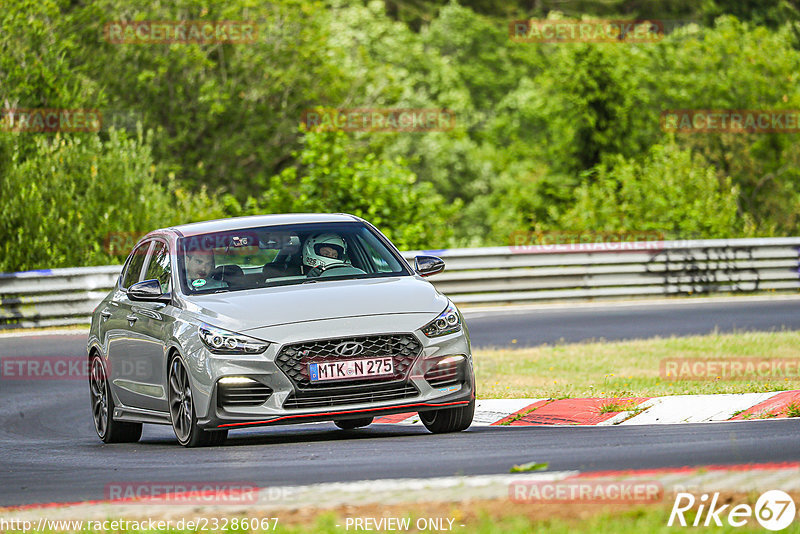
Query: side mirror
(148,290)
(428,265)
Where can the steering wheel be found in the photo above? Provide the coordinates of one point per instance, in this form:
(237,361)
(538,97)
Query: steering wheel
(335,265)
(319,269)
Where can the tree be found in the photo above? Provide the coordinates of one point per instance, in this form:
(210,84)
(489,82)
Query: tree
(669,191)
(332,176)
(75,196)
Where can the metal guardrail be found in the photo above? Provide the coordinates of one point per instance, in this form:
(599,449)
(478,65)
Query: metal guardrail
(585,271)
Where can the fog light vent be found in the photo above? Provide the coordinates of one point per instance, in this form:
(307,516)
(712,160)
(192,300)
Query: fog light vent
(446,372)
(241,391)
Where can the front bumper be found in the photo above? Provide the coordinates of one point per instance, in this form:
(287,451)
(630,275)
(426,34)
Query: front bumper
(420,387)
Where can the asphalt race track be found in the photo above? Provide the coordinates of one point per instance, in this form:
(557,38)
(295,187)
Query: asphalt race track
(572,324)
(50,453)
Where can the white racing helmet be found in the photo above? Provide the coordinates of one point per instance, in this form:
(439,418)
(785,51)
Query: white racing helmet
(314,244)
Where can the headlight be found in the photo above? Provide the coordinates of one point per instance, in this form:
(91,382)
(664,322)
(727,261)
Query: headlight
(449,321)
(221,341)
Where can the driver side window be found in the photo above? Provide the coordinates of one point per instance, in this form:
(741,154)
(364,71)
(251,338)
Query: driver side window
(134,269)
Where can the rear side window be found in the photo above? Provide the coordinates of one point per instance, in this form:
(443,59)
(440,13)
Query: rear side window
(135,264)
(159,268)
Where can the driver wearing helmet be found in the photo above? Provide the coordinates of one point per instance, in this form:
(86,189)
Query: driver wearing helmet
(323,251)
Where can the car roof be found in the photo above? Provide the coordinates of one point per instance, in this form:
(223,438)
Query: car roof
(255,221)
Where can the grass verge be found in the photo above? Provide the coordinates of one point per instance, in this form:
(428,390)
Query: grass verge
(501,516)
(628,368)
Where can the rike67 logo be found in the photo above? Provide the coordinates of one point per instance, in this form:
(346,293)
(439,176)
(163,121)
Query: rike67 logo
(774,510)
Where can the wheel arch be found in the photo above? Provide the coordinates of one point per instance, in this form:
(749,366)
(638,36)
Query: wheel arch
(94,350)
(172,352)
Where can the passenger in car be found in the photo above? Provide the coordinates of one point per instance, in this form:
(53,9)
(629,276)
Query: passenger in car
(199,266)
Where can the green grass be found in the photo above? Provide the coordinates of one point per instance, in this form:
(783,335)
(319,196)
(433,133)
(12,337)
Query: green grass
(793,410)
(614,407)
(530,466)
(627,368)
(10,328)
(760,415)
(635,521)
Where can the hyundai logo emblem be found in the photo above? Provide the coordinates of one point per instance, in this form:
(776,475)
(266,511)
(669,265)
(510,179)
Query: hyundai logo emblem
(349,348)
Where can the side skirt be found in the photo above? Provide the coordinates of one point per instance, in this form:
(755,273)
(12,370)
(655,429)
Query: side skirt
(139,415)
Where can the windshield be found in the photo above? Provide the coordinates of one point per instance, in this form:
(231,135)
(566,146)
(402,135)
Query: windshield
(270,256)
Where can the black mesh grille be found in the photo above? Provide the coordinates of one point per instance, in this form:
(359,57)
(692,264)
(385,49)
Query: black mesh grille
(442,378)
(294,359)
(352,395)
(446,374)
(248,394)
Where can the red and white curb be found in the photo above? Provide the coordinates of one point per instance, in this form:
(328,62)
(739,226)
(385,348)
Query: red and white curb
(739,478)
(636,410)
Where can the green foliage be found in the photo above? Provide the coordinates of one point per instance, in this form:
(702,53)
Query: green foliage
(771,13)
(41,52)
(223,115)
(64,204)
(726,68)
(590,101)
(547,136)
(334,177)
(691,200)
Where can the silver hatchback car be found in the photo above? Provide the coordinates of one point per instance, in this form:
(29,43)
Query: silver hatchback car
(275,319)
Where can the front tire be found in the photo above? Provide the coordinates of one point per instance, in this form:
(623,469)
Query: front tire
(108,430)
(350,424)
(181,411)
(448,419)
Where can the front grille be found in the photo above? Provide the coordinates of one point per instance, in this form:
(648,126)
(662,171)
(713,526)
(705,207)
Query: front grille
(248,394)
(293,359)
(350,395)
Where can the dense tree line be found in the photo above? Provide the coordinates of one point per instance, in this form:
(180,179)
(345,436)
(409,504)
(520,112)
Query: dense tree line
(546,136)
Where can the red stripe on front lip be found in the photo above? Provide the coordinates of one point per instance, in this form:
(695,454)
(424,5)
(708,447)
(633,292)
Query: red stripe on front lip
(344,412)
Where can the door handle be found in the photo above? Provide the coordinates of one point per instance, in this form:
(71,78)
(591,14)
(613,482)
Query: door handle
(131,318)
(105,314)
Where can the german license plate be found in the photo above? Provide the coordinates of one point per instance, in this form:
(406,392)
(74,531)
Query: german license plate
(343,370)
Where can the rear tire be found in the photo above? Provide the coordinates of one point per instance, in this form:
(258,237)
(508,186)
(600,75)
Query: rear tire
(350,424)
(182,414)
(108,430)
(448,419)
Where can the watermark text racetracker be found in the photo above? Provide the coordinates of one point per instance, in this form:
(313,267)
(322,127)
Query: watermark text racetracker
(50,120)
(566,241)
(194,492)
(181,32)
(64,368)
(730,120)
(200,524)
(586,31)
(587,491)
(121,243)
(378,119)
(729,368)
